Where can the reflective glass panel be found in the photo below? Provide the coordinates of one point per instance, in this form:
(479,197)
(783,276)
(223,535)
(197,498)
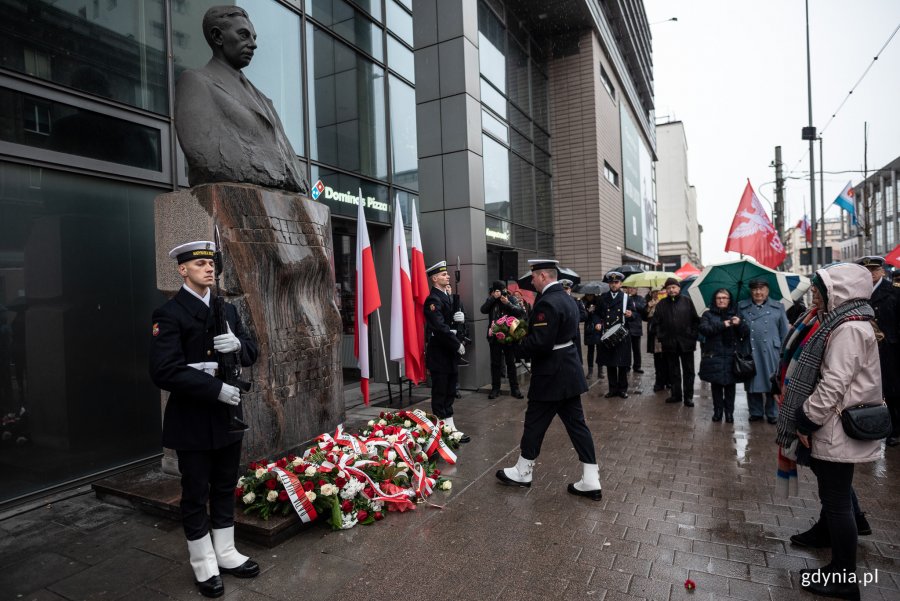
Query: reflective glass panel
(349,23)
(494,126)
(517,76)
(497,231)
(399,21)
(373,7)
(524,237)
(521,190)
(400,59)
(347,113)
(521,145)
(496,178)
(404,151)
(78,288)
(540,103)
(55,126)
(543,205)
(492,98)
(275,69)
(521,122)
(115,50)
(491,46)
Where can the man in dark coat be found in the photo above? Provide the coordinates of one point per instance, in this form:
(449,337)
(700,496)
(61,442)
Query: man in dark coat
(676,327)
(660,366)
(582,313)
(636,328)
(443,347)
(198,414)
(592,332)
(500,303)
(557,383)
(885,302)
(615,308)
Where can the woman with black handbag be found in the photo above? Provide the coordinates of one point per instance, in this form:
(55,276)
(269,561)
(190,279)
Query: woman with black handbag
(834,368)
(724,335)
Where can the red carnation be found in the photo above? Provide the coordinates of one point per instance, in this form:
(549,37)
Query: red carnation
(282,495)
(369,491)
(299,469)
(690,584)
(378,515)
(271,483)
(308,486)
(347,506)
(416,434)
(436,472)
(321,483)
(238,492)
(291,458)
(282,463)
(381,415)
(340,482)
(361,515)
(402,413)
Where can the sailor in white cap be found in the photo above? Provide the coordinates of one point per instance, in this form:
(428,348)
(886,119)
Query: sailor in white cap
(197,419)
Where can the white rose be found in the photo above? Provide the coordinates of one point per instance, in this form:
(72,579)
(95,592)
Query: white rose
(342,474)
(311,496)
(310,472)
(446,485)
(260,472)
(272,496)
(249,498)
(456,435)
(371,422)
(407,424)
(328,489)
(381,422)
(392,455)
(392,438)
(448,430)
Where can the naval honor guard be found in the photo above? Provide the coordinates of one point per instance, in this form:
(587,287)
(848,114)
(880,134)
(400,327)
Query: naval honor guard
(615,308)
(197,421)
(557,383)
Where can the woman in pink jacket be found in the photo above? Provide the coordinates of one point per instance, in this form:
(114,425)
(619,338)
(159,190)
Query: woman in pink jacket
(835,367)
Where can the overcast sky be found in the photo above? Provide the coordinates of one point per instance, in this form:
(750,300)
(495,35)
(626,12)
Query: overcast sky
(735,74)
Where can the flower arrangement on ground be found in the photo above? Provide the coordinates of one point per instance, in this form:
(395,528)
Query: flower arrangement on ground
(350,480)
(507,329)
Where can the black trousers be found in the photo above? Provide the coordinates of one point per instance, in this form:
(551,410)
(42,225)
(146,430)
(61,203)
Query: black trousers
(618,378)
(591,350)
(443,393)
(835,482)
(681,374)
(540,414)
(723,398)
(636,352)
(661,367)
(208,476)
(500,354)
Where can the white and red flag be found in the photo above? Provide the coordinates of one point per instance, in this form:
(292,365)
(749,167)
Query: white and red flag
(803,226)
(403,310)
(752,232)
(420,287)
(368,298)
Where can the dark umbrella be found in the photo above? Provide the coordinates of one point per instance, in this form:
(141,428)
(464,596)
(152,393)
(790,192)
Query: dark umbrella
(592,287)
(627,270)
(524,280)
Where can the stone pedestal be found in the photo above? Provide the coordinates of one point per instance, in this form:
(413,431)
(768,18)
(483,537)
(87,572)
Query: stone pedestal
(279,273)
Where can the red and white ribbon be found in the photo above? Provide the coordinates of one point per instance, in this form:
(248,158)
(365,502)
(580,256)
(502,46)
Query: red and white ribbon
(302,505)
(435,437)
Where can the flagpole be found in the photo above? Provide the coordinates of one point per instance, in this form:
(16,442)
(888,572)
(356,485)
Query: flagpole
(387,372)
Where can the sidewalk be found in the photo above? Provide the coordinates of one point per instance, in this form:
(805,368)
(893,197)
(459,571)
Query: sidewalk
(683,497)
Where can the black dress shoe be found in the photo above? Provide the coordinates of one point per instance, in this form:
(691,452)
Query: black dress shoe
(672,399)
(892,441)
(502,477)
(593,495)
(212,587)
(772,420)
(610,394)
(623,394)
(688,403)
(717,416)
(756,418)
(517,394)
(494,394)
(458,395)
(638,371)
(862,525)
(248,569)
(729,419)
(465,438)
(816,537)
(658,387)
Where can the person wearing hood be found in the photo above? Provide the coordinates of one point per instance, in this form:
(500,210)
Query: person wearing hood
(834,366)
(724,333)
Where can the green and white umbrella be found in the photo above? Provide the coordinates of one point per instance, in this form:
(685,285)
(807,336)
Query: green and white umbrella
(735,277)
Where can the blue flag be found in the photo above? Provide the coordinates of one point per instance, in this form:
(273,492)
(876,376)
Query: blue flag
(846,199)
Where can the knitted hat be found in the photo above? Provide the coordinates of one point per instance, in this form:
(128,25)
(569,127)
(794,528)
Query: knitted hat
(498,285)
(670,282)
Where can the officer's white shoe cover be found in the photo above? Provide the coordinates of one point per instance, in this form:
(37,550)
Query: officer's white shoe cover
(449,422)
(521,472)
(203,558)
(590,477)
(223,542)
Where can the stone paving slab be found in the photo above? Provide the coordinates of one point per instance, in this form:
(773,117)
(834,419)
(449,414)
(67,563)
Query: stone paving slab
(683,498)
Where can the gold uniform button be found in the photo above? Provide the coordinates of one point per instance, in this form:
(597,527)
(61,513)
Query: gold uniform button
(208,353)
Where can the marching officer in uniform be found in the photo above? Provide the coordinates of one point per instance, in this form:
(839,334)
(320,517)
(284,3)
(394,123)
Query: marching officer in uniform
(197,417)
(615,307)
(885,302)
(443,347)
(557,383)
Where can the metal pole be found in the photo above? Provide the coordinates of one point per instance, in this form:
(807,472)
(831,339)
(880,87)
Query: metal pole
(822,198)
(779,194)
(812,155)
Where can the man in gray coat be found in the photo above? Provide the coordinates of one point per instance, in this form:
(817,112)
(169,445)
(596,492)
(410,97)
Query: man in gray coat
(768,326)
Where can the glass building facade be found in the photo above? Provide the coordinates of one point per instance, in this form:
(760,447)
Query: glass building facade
(86,144)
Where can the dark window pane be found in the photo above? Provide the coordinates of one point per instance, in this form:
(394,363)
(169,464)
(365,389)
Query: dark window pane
(77,280)
(541,139)
(63,128)
(349,23)
(275,68)
(518,120)
(521,191)
(543,204)
(115,51)
(347,113)
(400,59)
(539,99)
(342,193)
(399,21)
(517,76)
(541,160)
(520,144)
(403,135)
(496,178)
(545,244)
(524,238)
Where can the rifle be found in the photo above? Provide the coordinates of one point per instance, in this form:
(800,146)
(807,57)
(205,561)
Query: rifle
(229,363)
(462,330)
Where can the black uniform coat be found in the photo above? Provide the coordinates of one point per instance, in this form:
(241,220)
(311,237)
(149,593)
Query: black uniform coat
(556,375)
(610,310)
(719,345)
(591,335)
(441,352)
(636,321)
(885,302)
(183,331)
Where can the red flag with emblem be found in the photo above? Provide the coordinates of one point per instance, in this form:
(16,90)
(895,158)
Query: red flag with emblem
(752,232)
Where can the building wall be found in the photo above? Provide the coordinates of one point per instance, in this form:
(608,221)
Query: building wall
(679,230)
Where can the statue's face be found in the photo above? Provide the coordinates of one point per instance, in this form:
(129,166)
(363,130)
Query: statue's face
(237,42)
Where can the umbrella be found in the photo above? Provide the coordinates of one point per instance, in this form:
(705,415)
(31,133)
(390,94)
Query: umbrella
(687,270)
(735,277)
(686,283)
(524,281)
(592,287)
(649,279)
(798,285)
(627,270)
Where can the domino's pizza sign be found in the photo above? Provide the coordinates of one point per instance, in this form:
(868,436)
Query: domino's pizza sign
(318,189)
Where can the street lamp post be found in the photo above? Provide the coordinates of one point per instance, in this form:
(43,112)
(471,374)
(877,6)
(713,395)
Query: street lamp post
(809,133)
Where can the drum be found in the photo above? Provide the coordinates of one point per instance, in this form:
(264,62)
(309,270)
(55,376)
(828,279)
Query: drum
(614,336)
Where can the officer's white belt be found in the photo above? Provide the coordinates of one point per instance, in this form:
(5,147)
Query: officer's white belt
(556,347)
(211,367)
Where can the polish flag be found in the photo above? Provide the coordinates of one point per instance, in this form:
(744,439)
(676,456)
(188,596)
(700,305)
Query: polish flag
(752,232)
(403,320)
(892,257)
(367,298)
(420,288)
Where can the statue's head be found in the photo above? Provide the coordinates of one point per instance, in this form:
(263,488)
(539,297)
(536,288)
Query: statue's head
(230,34)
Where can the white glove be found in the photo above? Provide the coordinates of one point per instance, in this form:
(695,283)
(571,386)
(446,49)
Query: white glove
(227,343)
(230,395)
(459,317)
(461,350)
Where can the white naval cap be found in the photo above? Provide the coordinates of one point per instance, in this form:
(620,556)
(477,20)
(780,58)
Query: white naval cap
(200,249)
(535,264)
(436,268)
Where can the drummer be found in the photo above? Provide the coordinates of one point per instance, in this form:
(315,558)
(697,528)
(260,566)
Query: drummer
(614,351)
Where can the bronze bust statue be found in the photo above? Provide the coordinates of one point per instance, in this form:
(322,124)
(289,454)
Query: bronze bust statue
(228,129)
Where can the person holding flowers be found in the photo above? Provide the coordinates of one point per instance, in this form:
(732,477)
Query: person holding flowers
(500,304)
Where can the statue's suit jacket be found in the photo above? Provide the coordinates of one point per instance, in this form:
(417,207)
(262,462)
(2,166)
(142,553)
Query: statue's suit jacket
(230,131)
